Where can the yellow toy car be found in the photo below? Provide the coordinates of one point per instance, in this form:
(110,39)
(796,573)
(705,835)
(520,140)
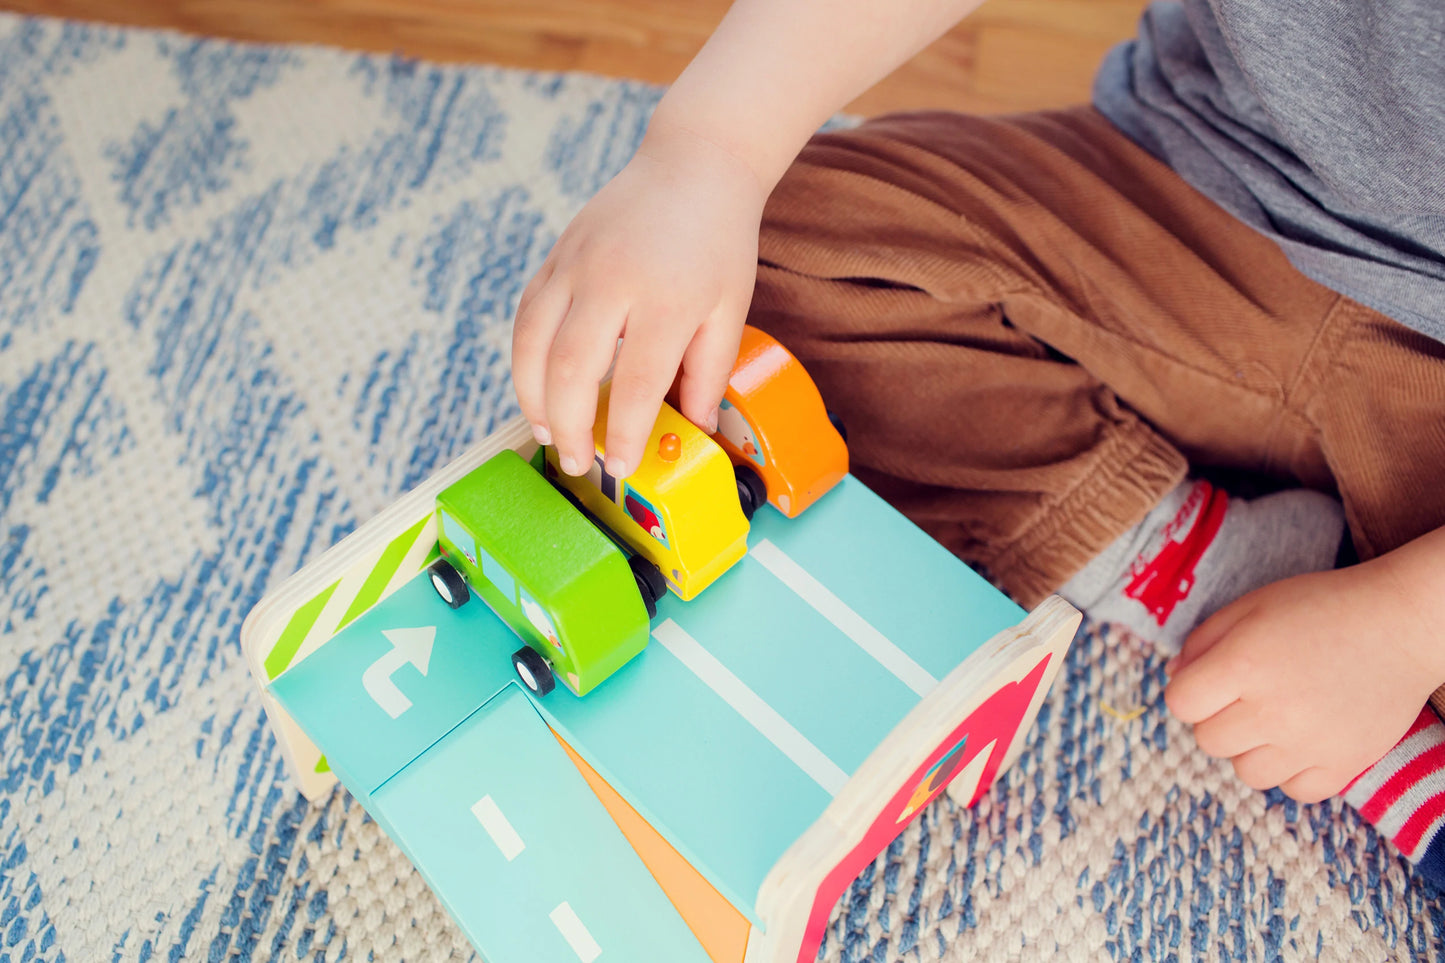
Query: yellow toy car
(679,509)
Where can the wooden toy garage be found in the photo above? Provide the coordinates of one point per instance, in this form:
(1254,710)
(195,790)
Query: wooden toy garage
(714,797)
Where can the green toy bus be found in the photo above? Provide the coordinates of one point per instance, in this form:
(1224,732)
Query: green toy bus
(582,606)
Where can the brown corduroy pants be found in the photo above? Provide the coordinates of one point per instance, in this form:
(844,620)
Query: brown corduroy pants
(1031,328)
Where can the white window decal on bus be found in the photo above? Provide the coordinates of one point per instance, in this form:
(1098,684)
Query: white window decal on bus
(602,481)
(459,537)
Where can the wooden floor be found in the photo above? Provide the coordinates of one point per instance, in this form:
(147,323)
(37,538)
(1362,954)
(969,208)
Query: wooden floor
(1010,55)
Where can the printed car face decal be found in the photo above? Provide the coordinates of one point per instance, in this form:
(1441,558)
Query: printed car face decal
(642,512)
(735,428)
(539,619)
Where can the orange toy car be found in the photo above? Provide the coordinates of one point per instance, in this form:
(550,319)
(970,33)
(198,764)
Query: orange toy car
(772,423)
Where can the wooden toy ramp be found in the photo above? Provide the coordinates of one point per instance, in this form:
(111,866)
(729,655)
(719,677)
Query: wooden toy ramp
(715,797)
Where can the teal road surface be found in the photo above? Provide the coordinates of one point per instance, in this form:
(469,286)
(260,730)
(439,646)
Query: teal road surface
(730,733)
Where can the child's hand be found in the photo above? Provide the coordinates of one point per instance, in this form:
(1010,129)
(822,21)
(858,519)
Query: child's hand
(664,257)
(1306,683)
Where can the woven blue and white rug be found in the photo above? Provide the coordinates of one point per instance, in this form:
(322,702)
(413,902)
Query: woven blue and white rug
(249,295)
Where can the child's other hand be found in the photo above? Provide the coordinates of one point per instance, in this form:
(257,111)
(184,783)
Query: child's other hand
(663,257)
(1306,683)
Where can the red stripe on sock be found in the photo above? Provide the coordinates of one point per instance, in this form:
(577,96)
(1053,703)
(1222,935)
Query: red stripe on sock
(1420,820)
(1424,720)
(1413,772)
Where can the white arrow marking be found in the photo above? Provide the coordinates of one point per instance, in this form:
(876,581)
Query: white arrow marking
(576,935)
(410,645)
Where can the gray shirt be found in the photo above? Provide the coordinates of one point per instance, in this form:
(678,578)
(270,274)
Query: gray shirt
(1319,122)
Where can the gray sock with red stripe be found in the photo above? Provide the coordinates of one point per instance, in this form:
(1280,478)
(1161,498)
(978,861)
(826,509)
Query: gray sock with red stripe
(1403,796)
(1199,550)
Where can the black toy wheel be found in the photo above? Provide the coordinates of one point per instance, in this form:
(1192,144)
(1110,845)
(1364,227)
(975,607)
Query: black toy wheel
(752,493)
(449,584)
(650,583)
(838,425)
(534,671)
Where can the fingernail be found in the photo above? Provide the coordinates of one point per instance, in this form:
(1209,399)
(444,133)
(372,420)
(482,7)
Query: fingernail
(543,436)
(1171,665)
(616,467)
(712,421)
(569,465)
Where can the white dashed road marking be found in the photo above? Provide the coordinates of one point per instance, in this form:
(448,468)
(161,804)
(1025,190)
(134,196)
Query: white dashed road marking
(575,933)
(748,704)
(847,621)
(489,814)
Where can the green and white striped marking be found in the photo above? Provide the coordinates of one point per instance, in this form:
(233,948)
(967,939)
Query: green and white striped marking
(375,576)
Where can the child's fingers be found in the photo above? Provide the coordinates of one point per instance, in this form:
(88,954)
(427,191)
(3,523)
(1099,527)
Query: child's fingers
(646,363)
(1232,731)
(1264,767)
(1203,687)
(1209,632)
(537,284)
(532,335)
(1314,784)
(581,354)
(706,366)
